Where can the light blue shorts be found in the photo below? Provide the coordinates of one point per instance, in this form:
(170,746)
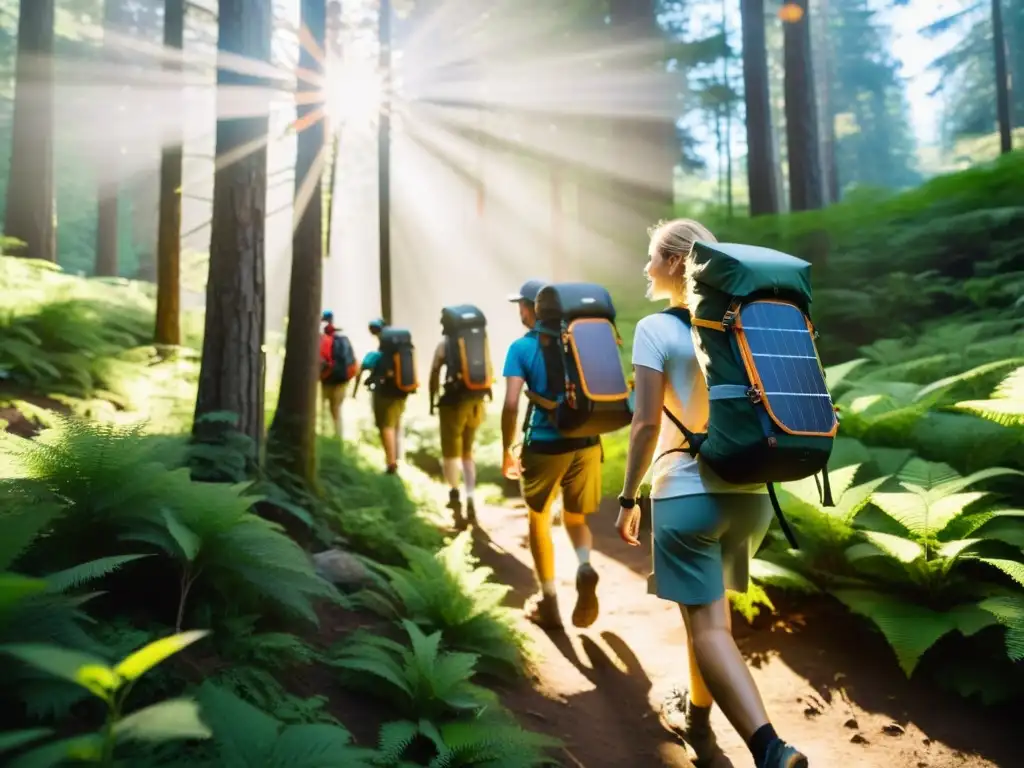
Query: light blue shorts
(703,544)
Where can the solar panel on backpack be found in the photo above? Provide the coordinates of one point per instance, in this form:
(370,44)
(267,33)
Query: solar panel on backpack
(600,373)
(778,341)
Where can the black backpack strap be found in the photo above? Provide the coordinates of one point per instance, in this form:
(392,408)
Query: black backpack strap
(693,441)
(786,530)
(824,489)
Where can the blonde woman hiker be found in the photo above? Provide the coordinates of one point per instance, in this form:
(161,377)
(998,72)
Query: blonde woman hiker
(705,531)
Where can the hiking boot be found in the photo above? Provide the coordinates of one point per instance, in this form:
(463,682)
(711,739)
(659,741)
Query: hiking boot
(470,512)
(455,505)
(781,755)
(542,610)
(692,725)
(586,610)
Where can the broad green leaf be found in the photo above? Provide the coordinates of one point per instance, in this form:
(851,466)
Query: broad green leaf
(63,663)
(15,587)
(1012,568)
(897,547)
(910,629)
(922,517)
(952,550)
(1004,528)
(144,659)
(779,576)
(86,748)
(956,485)
(14,739)
(187,541)
(1009,611)
(100,680)
(835,374)
(165,721)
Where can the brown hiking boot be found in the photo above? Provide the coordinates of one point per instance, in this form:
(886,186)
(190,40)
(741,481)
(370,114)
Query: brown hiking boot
(692,726)
(455,505)
(543,611)
(470,512)
(587,608)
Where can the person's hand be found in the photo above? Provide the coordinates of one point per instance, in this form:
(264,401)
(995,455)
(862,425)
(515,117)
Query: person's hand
(628,525)
(510,468)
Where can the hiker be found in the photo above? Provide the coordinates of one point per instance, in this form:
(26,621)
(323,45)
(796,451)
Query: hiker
(391,378)
(464,354)
(337,368)
(705,531)
(549,462)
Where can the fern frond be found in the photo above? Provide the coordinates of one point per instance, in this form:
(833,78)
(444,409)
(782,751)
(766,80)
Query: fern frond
(76,576)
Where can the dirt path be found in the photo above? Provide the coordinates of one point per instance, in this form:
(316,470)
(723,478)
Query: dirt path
(834,691)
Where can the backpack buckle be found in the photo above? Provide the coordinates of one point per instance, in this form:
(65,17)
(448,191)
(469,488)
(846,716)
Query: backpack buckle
(754,395)
(729,319)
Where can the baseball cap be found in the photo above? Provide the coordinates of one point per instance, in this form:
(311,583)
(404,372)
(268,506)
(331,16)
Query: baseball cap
(376,324)
(327,316)
(528,291)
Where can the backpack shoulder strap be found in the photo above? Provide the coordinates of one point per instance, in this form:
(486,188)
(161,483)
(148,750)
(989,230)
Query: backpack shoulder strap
(680,313)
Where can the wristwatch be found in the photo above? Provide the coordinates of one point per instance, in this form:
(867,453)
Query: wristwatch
(626,503)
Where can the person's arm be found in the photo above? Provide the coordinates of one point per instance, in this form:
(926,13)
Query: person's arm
(515,377)
(435,373)
(643,433)
(648,401)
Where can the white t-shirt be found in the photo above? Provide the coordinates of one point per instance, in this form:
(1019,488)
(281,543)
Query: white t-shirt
(664,343)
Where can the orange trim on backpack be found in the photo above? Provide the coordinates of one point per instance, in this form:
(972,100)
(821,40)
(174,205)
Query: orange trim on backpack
(398,374)
(755,376)
(701,323)
(576,357)
(464,365)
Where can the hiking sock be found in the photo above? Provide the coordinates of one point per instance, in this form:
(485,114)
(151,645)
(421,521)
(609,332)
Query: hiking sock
(451,468)
(548,588)
(583,555)
(469,477)
(760,742)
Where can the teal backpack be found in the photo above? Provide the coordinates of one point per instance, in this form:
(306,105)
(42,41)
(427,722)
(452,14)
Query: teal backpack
(771,417)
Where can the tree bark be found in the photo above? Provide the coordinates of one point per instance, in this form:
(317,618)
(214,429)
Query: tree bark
(806,191)
(231,377)
(108,158)
(761,159)
(292,439)
(30,195)
(168,280)
(1002,79)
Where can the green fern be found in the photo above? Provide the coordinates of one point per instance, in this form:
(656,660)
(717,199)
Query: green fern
(246,737)
(420,679)
(1006,406)
(446,591)
(493,742)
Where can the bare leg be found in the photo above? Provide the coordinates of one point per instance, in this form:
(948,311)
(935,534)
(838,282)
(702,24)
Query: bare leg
(388,440)
(722,667)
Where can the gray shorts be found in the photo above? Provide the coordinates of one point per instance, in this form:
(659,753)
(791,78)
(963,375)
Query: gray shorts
(703,544)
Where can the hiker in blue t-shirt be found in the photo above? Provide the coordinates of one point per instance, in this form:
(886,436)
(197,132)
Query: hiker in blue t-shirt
(387,410)
(549,463)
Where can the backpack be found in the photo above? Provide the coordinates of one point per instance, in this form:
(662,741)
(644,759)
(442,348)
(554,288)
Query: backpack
(337,359)
(580,345)
(395,372)
(467,358)
(771,417)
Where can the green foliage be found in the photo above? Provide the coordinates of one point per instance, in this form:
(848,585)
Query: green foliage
(421,680)
(106,486)
(167,720)
(446,591)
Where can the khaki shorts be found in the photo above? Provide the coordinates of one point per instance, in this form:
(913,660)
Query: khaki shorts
(334,393)
(387,411)
(577,473)
(459,423)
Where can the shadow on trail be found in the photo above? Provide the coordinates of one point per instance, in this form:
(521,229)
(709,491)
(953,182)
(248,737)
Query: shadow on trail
(843,660)
(595,698)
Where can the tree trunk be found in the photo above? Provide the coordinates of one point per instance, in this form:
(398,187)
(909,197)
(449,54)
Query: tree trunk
(168,279)
(1002,79)
(293,432)
(108,157)
(806,191)
(821,58)
(231,377)
(30,193)
(761,159)
(650,142)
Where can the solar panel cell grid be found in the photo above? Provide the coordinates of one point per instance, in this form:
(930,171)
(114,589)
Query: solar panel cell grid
(783,353)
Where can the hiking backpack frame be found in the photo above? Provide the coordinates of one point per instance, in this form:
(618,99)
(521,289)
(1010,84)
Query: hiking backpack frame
(395,372)
(468,370)
(580,344)
(771,417)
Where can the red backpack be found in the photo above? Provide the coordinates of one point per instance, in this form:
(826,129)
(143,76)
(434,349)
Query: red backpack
(337,359)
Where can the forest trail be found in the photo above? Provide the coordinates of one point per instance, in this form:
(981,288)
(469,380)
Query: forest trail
(835,693)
